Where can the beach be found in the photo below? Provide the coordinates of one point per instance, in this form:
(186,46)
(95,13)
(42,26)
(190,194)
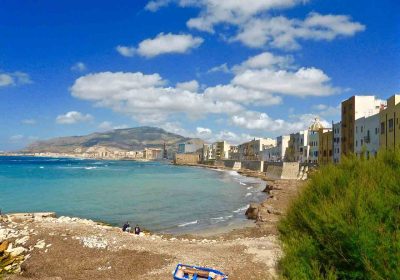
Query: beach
(91,250)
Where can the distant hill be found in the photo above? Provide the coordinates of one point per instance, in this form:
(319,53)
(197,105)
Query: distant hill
(130,139)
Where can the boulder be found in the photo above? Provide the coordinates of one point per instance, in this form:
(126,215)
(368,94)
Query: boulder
(4,246)
(17,251)
(268,188)
(252,211)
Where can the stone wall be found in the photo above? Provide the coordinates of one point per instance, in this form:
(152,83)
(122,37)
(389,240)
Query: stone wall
(255,165)
(282,170)
(186,158)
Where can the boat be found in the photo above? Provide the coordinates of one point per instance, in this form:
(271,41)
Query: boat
(185,272)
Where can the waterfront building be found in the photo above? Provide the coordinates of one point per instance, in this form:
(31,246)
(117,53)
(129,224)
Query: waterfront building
(298,149)
(234,152)
(325,154)
(152,154)
(252,150)
(367,136)
(220,150)
(276,153)
(313,140)
(354,108)
(189,147)
(389,124)
(206,152)
(336,141)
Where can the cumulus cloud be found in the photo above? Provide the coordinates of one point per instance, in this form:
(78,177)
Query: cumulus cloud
(259,121)
(327,110)
(255,26)
(125,51)
(73,117)
(79,67)
(192,86)
(303,82)
(162,44)
(14,78)
(261,80)
(284,33)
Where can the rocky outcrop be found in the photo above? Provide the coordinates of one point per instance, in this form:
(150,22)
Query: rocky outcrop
(252,211)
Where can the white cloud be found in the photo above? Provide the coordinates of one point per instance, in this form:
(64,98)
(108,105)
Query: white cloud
(255,26)
(145,97)
(203,132)
(29,121)
(192,86)
(126,51)
(154,6)
(73,117)
(79,67)
(265,60)
(281,32)
(220,68)
(106,126)
(327,110)
(167,44)
(15,78)
(162,44)
(6,80)
(303,82)
(258,121)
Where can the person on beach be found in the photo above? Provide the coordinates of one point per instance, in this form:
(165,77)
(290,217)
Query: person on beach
(137,229)
(126,227)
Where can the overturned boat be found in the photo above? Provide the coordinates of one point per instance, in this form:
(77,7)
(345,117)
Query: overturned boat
(185,272)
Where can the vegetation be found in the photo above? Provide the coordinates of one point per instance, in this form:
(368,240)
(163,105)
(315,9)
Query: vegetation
(346,222)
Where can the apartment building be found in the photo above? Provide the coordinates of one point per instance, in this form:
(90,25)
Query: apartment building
(389,124)
(367,136)
(325,154)
(337,141)
(252,150)
(276,153)
(352,109)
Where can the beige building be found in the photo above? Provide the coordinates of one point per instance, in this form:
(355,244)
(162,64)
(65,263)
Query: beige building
(354,108)
(252,150)
(389,124)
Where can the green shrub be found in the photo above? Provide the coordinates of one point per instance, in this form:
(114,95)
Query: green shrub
(346,222)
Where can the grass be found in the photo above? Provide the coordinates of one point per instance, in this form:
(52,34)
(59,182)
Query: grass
(346,222)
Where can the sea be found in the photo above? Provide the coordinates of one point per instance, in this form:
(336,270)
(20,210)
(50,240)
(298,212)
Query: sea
(158,196)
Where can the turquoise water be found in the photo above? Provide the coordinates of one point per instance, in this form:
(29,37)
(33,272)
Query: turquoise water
(158,196)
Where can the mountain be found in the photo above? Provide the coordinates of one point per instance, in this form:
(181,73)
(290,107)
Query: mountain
(130,139)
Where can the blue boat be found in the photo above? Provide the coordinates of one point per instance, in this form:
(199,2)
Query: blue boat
(185,272)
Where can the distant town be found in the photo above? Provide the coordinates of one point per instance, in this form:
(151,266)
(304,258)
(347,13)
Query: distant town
(367,125)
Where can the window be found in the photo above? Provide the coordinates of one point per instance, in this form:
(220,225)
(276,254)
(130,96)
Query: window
(390,125)
(362,142)
(356,143)
(361,129)
(356,129)
(382,127)
(376,130)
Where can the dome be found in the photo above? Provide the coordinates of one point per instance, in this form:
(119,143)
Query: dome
(316,125)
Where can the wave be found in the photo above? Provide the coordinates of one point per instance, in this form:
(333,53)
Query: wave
(219,218)
(248,194)
(187,224)
(249,188)
(242,209)
(41,167)
(90,167)
(243,184)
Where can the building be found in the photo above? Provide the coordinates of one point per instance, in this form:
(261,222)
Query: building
(313,140)
(252,150)
(216,151)
(352,109)
(367,136)
(234,152)
(337,127)
(298,149)
(189,147)
(325,154)
(389,124)
(152,154)
(276,153)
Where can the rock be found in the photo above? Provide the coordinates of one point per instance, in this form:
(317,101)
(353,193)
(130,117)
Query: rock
(268,188)
(4,246)
(17,251)
(252,211)
(40,244)
(22,240)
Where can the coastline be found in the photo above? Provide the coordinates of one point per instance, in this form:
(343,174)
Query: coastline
(110,253)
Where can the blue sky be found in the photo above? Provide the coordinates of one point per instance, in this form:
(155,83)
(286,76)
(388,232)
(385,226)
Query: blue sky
(212,69)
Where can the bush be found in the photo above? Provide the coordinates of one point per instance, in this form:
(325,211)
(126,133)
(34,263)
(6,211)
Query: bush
(345,224)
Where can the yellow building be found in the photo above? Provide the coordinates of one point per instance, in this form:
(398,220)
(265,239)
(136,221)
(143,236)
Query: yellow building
(389,124)
(325,153)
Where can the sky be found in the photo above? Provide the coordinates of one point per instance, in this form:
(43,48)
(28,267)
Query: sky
(219,70)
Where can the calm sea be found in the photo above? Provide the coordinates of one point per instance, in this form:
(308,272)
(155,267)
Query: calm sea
(158,196)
